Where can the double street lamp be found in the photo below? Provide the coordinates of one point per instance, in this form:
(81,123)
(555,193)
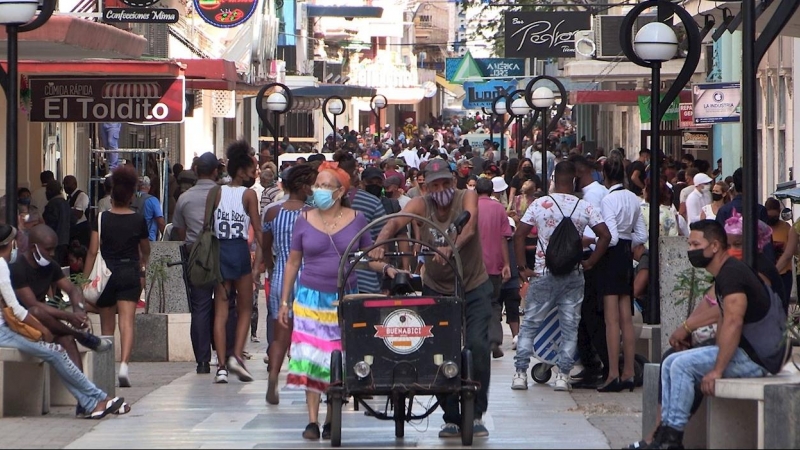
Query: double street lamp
(654,44)
(279,102)
(541,100)
(18,17)
(333,105)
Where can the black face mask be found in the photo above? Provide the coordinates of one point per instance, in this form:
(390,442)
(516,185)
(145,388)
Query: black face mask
(248,183)
(772,220)
(698,259)
(374,189)
(527,169)
(716,197)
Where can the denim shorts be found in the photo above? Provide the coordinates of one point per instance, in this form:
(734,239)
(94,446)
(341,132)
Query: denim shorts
(234,258)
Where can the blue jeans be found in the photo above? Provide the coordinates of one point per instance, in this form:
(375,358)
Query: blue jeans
(545,293)
(109,135)
(87,394)
(682,372)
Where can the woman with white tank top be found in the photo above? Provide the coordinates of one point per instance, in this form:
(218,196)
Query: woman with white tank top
(236,210)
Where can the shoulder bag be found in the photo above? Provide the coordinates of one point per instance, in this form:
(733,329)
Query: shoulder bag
(203,266)
(27,331)
(100,274)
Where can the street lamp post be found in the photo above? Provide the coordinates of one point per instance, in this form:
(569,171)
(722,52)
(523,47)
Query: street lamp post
(541,100)
(377,103)
(655,43)
(492,121)
(519,109)
(18,17)
(333,105)
(278,102)
(499,109)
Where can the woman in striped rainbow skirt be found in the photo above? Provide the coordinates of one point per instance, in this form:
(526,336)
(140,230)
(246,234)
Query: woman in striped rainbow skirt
(320,238)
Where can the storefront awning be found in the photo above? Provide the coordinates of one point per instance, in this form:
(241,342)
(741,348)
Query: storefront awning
(455,89)
(325,90)
(101,67)
(212,74)
(616,97)
(403,96)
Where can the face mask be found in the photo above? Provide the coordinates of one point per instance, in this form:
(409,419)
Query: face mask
(75,267)
(698,259)
(375,190)
(716,197)
(323,198)
(772,220)
(444,197)
(37,256)
(248,183)
(737,253)
(465,171)
(471,188)
(527,169)
(706,187)
(13,256)
(24,201)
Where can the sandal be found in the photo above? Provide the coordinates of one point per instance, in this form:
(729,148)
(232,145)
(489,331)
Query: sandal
(640,444)
(112,406)
(123,409)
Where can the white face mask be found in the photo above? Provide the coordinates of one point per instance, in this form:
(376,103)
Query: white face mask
(471,188)
(13,257)
(39,258)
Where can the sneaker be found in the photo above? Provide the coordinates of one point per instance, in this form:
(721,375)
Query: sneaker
(311,432)
(562,383)
(214,361)
(479,429)
(237,367)
(326,431)
(514,343)
(222,376)
(95,343)
(520,381)
(124,379)
(255,339)
(450,430)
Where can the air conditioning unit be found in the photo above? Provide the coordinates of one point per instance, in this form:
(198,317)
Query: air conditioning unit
(606,32)
(585,46)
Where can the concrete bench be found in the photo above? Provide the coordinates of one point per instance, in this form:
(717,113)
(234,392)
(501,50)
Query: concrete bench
(744,413)
(649,343)
(29,386)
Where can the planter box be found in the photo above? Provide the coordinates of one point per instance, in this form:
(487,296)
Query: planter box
(175,293)
(672,262)
(151,341)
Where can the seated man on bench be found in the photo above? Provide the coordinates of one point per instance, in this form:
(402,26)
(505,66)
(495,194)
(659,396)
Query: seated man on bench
(749,339)
(32,274)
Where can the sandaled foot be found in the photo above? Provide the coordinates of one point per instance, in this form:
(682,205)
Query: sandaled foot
(109,407)
(311,432)
(272,392)
(123,409)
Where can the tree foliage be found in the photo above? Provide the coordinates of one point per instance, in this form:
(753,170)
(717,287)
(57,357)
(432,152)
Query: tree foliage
(492,26)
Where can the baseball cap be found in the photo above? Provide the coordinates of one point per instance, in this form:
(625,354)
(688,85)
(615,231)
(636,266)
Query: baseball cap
(371,172)
(208,161)
(702,178)
(399,162)
(393,180)
(499,184)
(437,169)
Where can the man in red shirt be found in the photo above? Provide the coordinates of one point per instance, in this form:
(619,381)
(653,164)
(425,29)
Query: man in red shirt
(494,232)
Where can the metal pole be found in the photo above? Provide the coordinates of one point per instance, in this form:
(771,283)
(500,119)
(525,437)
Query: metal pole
(545,180)
(275,135)
(12,128)
(519,137)
(654,308)
(750,155)
(502,138)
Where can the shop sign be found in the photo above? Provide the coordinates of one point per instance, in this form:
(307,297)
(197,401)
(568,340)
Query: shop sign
(482,94)
(489,67)
(63,99)
(140,15)
(225,13)
(543,35)
(687,117)
(383,75)
(644,109)
(695,139)
(716,102)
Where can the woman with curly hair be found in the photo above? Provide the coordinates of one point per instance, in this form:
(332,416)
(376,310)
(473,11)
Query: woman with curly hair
(236,210)
(122,238)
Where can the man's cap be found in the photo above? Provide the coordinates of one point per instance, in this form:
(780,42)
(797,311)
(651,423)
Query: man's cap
(399,162)
(393,180)
(371,173)
(437,169)
(208,161)
(144,180)
(499,184)
(702,178)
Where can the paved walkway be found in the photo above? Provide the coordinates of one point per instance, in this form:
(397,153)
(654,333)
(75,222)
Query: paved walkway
(193,412)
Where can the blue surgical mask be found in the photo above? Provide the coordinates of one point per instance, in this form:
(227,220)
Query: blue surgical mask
(39,258)
(323,198)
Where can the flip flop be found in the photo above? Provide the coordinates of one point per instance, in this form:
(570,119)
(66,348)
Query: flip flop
(640,444)
(112,406)
(123,409)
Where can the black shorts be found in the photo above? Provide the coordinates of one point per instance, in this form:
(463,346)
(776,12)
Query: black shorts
(124,284)
(511,299)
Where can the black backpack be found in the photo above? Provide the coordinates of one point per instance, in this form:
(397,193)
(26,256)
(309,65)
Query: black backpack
(565,249)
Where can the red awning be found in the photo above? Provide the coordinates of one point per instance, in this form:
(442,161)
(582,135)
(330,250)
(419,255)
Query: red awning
(100,68)
(616,97)
(214,74)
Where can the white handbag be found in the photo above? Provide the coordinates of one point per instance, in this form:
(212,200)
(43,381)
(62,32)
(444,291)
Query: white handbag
(100,274)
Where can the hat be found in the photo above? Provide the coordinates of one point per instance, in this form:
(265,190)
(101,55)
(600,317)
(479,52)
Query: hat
(208,161)
(389,142)
(437,169)
(393,180)
(144,180)
(371,173)
(702,178)
(499,184)
(512,223)
(399,162)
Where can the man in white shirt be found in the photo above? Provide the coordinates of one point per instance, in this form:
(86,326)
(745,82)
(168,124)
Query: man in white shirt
(410,156)
(699,197)
(536,158)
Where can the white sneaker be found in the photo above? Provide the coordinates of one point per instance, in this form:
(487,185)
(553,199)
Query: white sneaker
(214,361)
(222,376)
(514,343)
(520,381)
(562,382)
